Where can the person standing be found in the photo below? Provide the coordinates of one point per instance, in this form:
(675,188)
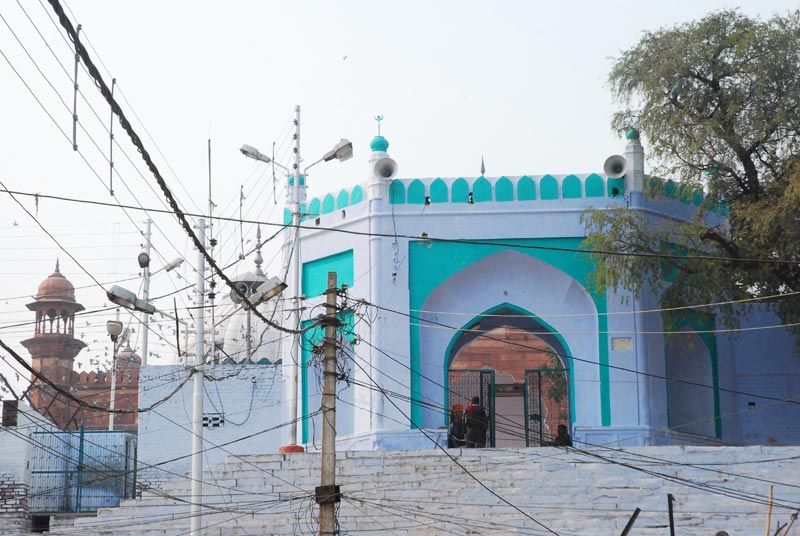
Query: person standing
(456,437)
(476,419)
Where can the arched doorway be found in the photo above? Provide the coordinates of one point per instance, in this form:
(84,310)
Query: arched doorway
(516,366)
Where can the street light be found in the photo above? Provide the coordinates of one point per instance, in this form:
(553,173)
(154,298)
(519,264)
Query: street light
(128,300)
(341,151)
(114,329)
(251,152)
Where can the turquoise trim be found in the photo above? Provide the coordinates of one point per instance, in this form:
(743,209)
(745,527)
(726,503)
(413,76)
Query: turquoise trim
(548,187)
(571,187)
(448,356)
(287,216)
(315,273)
(439,191)
(302,180)
(313,209)
(670,190)
(526,189)
(698,197)
(328,204)
(429,267)
(343,199)
(594,186)
(503,190)
(619,184)
(481,190)
(397,193)
(416,192)
(460,191)
(357,195)
(311,338)
(707,324)
(685,193)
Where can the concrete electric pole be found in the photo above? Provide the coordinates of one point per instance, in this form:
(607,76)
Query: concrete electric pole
(327,493)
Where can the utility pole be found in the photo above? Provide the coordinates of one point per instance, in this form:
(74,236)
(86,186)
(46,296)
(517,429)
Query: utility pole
(197,397)
(146,291)
(296,259)
(327,494)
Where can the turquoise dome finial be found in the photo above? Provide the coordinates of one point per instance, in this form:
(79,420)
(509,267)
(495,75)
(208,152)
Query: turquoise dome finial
(632,134)
(379,143)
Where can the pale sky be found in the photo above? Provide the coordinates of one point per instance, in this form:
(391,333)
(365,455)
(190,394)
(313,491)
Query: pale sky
(521,83)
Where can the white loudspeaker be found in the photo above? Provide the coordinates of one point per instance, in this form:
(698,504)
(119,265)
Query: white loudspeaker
(385,168)
(615,166)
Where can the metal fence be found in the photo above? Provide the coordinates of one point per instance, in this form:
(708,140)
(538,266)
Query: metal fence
(82,471)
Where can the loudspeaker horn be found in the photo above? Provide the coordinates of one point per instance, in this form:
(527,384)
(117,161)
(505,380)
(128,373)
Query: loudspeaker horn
(615,166)
(385,168)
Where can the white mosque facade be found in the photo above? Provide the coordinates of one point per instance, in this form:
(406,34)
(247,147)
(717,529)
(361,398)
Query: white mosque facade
(475,286)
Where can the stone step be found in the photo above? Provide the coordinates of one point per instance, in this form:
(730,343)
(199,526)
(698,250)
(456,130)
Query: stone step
(426,493)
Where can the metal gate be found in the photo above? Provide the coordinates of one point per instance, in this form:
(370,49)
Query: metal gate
(76,472)
(464,384)
(546,404)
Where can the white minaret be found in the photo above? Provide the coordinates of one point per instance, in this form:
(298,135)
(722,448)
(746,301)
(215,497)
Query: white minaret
(634,173)
(382,168)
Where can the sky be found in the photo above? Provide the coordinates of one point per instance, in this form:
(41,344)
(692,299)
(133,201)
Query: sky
(521,84)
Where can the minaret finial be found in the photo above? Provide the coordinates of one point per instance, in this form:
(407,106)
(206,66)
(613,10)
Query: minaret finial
(379,118)
(483,167)
(258,258)
(58,269)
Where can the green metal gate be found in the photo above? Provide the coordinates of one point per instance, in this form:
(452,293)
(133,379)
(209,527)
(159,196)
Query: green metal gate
(546,404)
(464,384)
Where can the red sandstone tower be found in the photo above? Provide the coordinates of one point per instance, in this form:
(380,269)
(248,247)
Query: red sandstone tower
(54,348)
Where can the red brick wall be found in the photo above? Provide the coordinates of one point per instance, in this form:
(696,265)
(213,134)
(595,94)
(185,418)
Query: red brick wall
(525,351)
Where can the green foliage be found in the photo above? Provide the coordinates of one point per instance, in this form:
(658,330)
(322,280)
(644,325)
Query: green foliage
(557,379)
(719,102)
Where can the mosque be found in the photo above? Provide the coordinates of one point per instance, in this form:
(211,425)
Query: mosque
(469,287)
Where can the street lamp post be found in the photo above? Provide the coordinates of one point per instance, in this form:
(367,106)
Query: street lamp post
(114,329)
(341,151)
(261,293)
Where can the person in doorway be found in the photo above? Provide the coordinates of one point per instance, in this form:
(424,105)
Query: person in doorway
(562,438)
(476,419)
(456,437)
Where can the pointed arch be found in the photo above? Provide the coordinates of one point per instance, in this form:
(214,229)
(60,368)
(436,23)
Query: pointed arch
(594,186)
(343,199)
(526,189)
(481,190)
(548,187)
(416,192)
(503,190)
(571,187)
(439,191)
(397,193)
(460,190)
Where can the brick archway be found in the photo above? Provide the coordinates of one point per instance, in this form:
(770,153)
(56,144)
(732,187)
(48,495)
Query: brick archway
(509,351)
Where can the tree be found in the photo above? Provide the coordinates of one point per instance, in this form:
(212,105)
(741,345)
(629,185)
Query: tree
(719,102)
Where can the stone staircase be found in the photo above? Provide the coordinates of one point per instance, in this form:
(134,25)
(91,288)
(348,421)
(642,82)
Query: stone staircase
(552,490)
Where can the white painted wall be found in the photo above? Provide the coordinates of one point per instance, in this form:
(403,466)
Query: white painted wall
(251,400)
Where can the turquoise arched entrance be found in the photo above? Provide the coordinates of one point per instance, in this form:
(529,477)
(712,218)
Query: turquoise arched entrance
(518,366)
